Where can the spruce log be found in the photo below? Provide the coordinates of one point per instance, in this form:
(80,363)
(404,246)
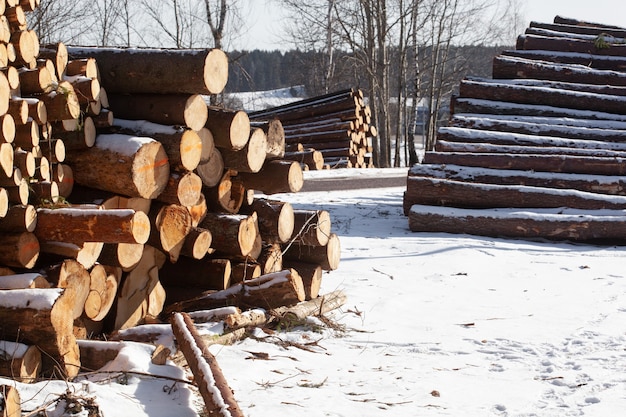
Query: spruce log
(61,103)
(182,146)
(208,143)
(312,158)
(211,171)
(166,71)
(19,250)
(327,257)
(123,255)
(82,137)
(167,109)
(311,227)
(19,362)
(43,317)
(197,243)
(77,225)
(170,224)
(232,234)
(599,62)
(276,219)
(198,211)
(217,395)
(244,271)
(227,196)
(128,165)
(74,279)
(183,188)
(276,176)
(271,258)
(19,218)
(102,291)
(87,253)
(199,274)
(311,277)
(230,128)
(547,43)
(251,157)
(275,137)
(58,54)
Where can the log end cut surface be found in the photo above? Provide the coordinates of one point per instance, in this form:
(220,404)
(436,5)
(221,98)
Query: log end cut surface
(151,170)
(215,71)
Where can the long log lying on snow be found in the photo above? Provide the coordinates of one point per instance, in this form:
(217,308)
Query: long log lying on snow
(543,163)
(137,70)
(444,192)
(559,224)
(217,395)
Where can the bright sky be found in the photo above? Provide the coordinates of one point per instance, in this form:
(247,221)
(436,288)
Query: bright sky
(265,17)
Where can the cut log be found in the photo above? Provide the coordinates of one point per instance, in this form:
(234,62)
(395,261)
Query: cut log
(217,395)
(102,291)
(87,253)
(166,71)
(212,170)
(198,211)
(311,227)
(78,225)
(58,54)
(271,258)
(232,233)
(74,279)
(19,362)
(251,157)
(267,291)
(327,257)
(82,137)
(7,128)
(230,128)
(123,255)
(19,218)
(275,137)
(183,188)
(316,307)
(170,224)
(197,243)
(43,317)
(312,158)
(244,271)
(182,146)
(208,143)
(199,274)
(63,176)
(227,196)
(311,277)
(559,224)
(23,281)
(19,250)
(61,103)
(600,62)
(276,219)
(128,165)
(95,354)
(489,148)
(11,401)
(166,109)
(276,176)
(546,43)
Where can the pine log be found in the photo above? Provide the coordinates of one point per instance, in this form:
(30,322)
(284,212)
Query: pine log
(251,157)
(87,253)
(182,146)
(311,227)
(26,44)
(183,188)
(121,202)
(63,176)
(599,62)
(19,362)
(197,243)
(311,277)
(102,291)
(546,43)
(166,71)
(170,224)
(128,165)
(211,171)
(567,87)
(275,137)
(43,317)
(271,258)
(573,27)
(61,103)
(19,250)
(11,400)
(19,218)
(217,395)
(23,281)
(575,225)
(543,163)
(327,257)
(318,306)
(35,81)
(232,234)
(123,255)
(199,274)
(227,196)
(267,291)
(487,148)
(276,176)
(81,66)
(230,128)
(244,271)
(569,21)
(167,109)
(276,219)
(18,109)
(25,162)
(27,135)
(78,225)
(23,193)
(82,137)
(74,279)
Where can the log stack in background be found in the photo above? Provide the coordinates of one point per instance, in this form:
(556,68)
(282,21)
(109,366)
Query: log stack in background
(328,131)
(538,150)
(123,191)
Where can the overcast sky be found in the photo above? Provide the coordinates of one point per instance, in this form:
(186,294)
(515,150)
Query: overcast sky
(266,28)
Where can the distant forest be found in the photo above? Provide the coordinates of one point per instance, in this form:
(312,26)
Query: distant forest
(267,70)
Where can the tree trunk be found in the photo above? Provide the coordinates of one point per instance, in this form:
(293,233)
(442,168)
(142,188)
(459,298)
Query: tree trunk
(276,176)
(200,274)
(232,233)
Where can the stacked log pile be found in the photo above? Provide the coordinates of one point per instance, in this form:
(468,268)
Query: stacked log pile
(334,130)
(538,150)
(107,218)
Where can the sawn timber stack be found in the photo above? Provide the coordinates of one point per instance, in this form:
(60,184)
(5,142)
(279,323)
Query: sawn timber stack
(538,150)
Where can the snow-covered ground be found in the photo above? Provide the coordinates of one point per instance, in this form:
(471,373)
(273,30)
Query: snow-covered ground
(434,325)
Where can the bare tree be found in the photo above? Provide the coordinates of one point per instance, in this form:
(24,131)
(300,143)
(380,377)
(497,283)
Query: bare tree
(60,20)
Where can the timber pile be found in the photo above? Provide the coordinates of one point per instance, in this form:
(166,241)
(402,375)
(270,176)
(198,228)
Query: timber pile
(334,130)
(537,151)
(106,221)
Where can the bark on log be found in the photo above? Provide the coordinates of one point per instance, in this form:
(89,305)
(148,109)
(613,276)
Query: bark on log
(490,148)
(183,188)
(311,227)
(318,306)
(77,225)
(19,218)
(276,176)
(43,317)
(267,291)
(585,226)
(127,165)
(530,42)
(212,170)
(167,71)
(23,281)
(87,253)
(61,103)
(275,137)
(74,279)
(19,362)
(271,258)
(198,211)
(251,157)
(230,128)
(197,243)
(244,271)
(327,257)
(232,234)
(123,255)
(312,158)
(19,250)
(58,54)
(102,291)
(217,395)
(81,136)
(182,146)
(276,219)
(227,196)
(599,62)
(200,274)
(311,277)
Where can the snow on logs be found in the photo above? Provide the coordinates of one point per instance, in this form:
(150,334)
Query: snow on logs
(537,151)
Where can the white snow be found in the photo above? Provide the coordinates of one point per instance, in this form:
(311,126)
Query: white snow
(122,144)
(435,325)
